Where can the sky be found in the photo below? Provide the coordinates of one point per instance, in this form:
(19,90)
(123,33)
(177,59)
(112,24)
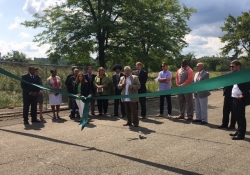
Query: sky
(202,41)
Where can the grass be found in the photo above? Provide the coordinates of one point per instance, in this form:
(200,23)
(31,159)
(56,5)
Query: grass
(11,92)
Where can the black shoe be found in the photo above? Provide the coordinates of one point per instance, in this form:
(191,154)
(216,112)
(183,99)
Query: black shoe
(116,115)
(144,117)
(196,120)
(135,125)
(231,127)
(123,116)
(233,134)
(26,123)
(238,137)
(203,123)
(93,114)
(35,121)
(127,124)
(222,126)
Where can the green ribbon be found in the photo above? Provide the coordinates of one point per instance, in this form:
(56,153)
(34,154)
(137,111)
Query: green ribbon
(209,84)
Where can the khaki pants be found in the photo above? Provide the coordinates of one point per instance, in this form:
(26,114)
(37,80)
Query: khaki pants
(131,110)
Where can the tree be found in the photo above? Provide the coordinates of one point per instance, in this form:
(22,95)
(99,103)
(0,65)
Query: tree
(16,56)
(237,36)
(133,29)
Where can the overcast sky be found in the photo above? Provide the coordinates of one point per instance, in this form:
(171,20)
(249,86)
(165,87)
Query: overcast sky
(203,40)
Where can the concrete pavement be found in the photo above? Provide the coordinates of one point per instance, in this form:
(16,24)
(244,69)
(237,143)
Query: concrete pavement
(107,147)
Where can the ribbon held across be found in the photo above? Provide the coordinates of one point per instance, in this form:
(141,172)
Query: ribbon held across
(209,84)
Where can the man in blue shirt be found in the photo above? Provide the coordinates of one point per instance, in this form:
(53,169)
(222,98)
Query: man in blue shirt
(164,78)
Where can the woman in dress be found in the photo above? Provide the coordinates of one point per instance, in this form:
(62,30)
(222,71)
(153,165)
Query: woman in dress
(101,84)
(55,99)
(81,89)
(40,97)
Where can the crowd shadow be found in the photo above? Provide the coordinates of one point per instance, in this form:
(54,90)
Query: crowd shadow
(87,148)
(35,126)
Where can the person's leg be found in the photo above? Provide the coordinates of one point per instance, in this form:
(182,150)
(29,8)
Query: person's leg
(239,111)
(116,106)
(99,104)
(57,110)
(182,105)
(26,104)
(143,106)
(53,110)
(41,110)
(233,117)
(190,108)
(33,108)
(105,106)
(162,104)
(197,108)
(122,108)
(134,112)
(92,104)
(128,112)
(168,97)
(203,107)
(227,106)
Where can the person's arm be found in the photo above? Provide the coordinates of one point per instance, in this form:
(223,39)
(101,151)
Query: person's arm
(144,78)
(137,84)
(121,84)
(25,86)
(190,77)
(177,78)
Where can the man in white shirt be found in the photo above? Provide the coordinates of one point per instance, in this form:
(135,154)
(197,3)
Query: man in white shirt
(129,84)
(240,97)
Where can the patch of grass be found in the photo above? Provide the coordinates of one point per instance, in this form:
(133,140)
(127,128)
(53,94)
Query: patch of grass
(10,99)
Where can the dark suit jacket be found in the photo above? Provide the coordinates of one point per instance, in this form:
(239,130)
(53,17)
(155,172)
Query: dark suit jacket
(227,91)
(28,88)
(91,86)
(245,89)
(84,89)
(143,77)
(115,83)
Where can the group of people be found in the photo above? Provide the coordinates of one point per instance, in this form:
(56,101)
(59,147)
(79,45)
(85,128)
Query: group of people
(128,82)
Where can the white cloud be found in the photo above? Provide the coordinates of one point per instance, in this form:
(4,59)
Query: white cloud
(16,24)
(203,46)
(1,15)
(32,6)
(29,48)
(24,35)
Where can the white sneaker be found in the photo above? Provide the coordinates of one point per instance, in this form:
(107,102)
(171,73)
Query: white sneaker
(169,116)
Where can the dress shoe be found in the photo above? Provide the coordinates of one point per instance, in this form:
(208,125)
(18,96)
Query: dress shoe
(35,121)
(135,125)
(179,117)
(203,123)
(238,137)
(159,115)
(143,117)
(189,118)
(93,114)
(196,120)
(26,123)
(123,116)
(222,126)
(231,127)
(233,134)
(127,124)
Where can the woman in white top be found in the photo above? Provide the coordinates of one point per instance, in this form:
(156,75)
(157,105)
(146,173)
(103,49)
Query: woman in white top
(55,99)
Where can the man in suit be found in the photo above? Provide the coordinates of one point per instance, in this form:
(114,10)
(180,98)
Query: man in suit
(116,78)
(240,95)
(201,98)
(30,94)
(143,77)
(227,108)
(92,90)
(185,76)
(129,84)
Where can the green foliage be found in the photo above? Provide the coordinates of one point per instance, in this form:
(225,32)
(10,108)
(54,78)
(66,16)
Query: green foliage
(118,31)
(16,56)
(236,35)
